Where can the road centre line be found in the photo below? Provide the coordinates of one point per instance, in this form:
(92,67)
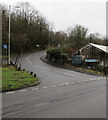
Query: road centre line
(42,67)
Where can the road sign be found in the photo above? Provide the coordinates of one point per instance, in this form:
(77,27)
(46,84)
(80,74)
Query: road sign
(5,46)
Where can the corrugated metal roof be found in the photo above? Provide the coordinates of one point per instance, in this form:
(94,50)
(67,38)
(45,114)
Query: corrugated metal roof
(101,47)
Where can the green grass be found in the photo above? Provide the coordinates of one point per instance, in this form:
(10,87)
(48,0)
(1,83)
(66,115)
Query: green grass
(92,71)
(13,79)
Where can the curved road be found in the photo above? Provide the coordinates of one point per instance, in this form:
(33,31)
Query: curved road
(61,94)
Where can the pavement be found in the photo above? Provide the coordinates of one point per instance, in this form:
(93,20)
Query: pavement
(61,94)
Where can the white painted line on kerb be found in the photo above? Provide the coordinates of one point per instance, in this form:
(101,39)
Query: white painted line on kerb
(23,90)
(10,92)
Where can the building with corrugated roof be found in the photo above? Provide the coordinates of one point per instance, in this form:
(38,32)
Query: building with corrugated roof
(94,52)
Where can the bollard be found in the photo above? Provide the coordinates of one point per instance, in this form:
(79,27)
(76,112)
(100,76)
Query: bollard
(11,62)
(23,69)
(19,68)
(31,73)
(34,75)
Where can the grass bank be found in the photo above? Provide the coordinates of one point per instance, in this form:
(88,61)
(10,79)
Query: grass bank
(13,79)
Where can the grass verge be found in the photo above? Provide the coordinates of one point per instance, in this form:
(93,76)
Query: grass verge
(13,79)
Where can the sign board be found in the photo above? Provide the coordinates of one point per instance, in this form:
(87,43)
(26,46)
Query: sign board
(5,46)
(91,60)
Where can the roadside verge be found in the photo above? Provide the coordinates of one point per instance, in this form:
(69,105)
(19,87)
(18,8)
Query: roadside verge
(14,79)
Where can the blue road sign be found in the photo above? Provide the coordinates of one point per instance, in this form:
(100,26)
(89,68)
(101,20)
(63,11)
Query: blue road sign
(5,46)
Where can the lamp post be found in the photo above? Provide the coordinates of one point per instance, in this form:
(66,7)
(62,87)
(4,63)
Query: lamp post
(9,32)
(9,38)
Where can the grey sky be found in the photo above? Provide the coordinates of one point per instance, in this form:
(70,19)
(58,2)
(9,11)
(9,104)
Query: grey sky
(67,13)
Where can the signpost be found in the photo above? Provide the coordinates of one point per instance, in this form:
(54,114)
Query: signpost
(5,51)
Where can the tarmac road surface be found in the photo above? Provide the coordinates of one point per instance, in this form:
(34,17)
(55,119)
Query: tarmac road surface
(61,94)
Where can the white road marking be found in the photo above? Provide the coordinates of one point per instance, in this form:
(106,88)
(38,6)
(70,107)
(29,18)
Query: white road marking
(42,67)
(10,92)
(62,84)
(53,85)
(27,58)
(29,61)
(67,74)
(44,87)
(67,83)
(86,80)
(82,81)
(79,81)
(72,82)
(35,88)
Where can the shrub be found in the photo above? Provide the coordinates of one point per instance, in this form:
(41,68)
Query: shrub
(63,57)
(54,54)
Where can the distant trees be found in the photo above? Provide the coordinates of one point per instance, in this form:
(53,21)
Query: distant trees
(79,37)
(29,28)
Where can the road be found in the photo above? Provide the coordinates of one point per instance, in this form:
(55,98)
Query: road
(61,94)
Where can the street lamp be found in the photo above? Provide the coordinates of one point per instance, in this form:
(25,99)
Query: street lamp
(9,32)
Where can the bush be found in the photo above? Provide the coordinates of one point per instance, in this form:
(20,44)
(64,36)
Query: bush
(63,57)
(56,55)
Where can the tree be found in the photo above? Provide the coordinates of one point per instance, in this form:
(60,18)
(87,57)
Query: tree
(77,36)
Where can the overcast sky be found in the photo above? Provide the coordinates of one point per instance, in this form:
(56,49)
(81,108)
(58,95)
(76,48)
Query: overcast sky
(67,13)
